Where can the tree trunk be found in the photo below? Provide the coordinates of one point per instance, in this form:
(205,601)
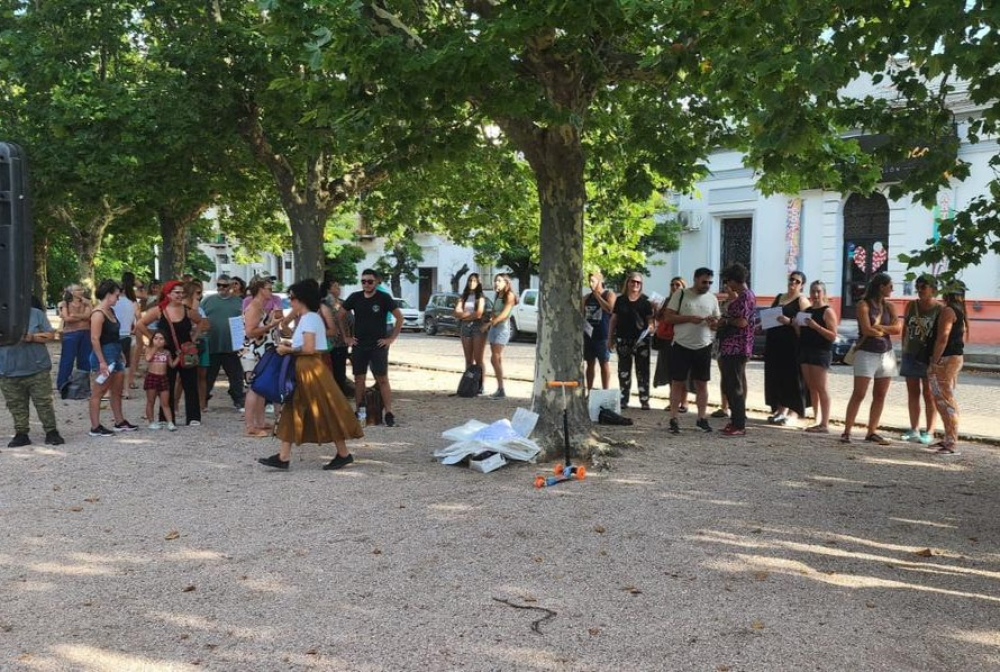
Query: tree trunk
(396,285)
(88,245)
(556,156)
(175,228)
(87,235)
(42,249)
(308,225)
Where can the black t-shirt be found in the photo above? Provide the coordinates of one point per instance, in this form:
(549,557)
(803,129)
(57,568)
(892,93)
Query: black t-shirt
(371,315)
(633,316)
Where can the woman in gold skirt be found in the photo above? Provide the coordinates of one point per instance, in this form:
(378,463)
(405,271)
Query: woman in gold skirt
(318,411)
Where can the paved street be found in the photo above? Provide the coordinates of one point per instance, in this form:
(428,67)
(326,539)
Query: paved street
(975,393)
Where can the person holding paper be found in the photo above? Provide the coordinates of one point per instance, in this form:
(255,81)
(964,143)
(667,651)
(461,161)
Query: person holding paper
(222,354)
(694,312)
(630,333)
(735,336)
(597,308)
(784,390)
(817,330)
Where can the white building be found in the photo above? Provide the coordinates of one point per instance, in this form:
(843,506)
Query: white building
(841,239)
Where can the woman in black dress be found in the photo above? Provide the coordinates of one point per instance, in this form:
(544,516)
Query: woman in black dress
(784,390)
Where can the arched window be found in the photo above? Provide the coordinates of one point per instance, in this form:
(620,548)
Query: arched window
(866,247)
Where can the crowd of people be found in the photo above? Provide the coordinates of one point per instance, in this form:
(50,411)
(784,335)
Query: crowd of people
(184,340)
(693,325)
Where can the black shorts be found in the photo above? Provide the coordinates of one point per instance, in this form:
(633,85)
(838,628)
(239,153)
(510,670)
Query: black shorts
(816,357)
(126,342)
(596,348)
(694,363)
(373,357)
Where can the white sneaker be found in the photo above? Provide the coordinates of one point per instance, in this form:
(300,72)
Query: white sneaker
(171,427)
(269,409)
(155,425)
(362,414)
(194,423)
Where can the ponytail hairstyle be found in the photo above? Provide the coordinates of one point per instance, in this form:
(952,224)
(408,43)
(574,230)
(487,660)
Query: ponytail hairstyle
(873,293)
(954,298)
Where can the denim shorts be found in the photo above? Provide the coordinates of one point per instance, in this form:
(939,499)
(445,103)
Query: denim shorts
(500,334)
(113,355)
(472,329)
(911,367)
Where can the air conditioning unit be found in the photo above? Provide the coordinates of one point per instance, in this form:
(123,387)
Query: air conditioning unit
(689,220)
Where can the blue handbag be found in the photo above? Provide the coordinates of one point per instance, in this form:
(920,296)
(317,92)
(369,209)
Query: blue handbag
(274,377)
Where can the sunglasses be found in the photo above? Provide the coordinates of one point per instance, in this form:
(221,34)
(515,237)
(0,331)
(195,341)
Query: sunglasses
(794,281)
(222,284)
(369,281)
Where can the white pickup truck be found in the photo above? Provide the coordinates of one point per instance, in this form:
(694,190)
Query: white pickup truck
(524,316)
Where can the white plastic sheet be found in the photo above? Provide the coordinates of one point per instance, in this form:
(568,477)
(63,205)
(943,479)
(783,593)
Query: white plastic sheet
(509,438)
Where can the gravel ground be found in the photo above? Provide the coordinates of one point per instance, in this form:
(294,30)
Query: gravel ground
(154,552)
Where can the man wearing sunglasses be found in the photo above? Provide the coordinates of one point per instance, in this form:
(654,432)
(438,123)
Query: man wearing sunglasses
(368,340)
(222,352)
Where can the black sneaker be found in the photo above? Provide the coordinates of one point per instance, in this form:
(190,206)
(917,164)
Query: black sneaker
(101,430)
(53,438)
(338,462)
(674,427)
(390,420)
(125,426)
(274,461)
(703,425)
(19,440)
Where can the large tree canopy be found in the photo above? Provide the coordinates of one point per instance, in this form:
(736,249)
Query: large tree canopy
(646,85)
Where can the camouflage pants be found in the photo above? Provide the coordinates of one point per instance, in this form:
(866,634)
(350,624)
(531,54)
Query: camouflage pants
(37,388)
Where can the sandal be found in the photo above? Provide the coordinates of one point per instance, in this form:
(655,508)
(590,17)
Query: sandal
(845,438)
(258,433)
(818,429)
(877,438)
(947,451)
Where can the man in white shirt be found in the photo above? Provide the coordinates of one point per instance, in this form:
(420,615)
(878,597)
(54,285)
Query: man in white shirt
(694,312)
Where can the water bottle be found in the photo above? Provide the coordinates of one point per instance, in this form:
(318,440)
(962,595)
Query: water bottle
(101,378)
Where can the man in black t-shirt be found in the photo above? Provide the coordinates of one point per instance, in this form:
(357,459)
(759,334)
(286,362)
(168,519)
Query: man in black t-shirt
(370,345)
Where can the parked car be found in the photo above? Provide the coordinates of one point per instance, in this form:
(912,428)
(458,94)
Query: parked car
(439,314)
(412,318)
(524,316)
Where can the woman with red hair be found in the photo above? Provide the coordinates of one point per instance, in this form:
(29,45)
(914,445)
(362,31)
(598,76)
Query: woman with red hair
(178,324)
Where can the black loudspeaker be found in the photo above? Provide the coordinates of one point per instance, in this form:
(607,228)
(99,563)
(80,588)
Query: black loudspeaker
(17,258)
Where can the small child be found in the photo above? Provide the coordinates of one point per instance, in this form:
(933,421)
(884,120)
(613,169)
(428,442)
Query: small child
(157,383)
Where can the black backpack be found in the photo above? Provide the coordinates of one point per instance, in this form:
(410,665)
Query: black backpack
(77,387)
(472,381)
